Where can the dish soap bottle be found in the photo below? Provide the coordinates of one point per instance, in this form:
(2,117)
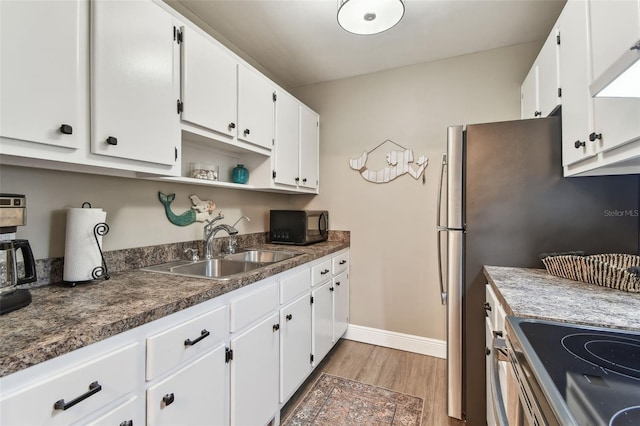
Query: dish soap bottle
(240,174)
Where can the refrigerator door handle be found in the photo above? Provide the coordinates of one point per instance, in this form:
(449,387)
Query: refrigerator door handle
(443,293)
(440,228)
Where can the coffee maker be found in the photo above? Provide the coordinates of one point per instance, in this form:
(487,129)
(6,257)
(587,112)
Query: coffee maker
(17,265)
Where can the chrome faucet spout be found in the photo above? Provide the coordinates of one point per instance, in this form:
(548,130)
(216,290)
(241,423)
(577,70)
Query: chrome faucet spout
(210,232)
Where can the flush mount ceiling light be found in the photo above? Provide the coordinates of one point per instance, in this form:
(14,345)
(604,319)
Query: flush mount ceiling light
(369,16)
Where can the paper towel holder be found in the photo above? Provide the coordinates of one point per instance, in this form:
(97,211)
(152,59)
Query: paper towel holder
(99,272)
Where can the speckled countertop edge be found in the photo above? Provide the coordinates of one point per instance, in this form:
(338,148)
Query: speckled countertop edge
(534,293)
(62,319)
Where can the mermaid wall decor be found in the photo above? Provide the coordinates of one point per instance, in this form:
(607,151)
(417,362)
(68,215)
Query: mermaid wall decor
(399,162)
(201,211)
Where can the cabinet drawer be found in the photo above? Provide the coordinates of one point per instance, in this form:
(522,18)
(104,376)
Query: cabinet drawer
(90,385)
(321,272)
(295,286)
(251,308)
(176,345)
(340,263)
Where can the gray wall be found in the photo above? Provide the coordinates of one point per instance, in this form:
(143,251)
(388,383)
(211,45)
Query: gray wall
(393,258)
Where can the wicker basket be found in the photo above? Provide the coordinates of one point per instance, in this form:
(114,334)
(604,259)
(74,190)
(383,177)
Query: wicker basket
(619,271)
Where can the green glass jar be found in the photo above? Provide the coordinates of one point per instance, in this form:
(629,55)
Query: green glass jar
(240,174)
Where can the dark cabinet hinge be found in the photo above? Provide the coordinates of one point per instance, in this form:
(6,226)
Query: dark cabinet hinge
(558,39)
(274,174)
(180,105)
(228,355)
(177,35)
(311,357)
(275,97)
(176,153)
(559,92)
(312,300)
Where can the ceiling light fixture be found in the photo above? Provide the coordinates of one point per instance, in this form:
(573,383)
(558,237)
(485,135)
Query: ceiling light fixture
(368,17)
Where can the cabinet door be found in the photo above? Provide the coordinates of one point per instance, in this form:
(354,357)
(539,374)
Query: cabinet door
(340,305)
(576,99)
(615,27)
(134,84)
(254,374)
(529,95)
(295,345)
(308,148)
(43,71)
(208,84)
(322,321)
(194,395)
(548,75)
(255,108)
(287,154)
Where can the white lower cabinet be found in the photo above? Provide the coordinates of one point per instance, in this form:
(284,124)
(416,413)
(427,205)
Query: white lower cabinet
(295,345)
(340,305)
(322,321)
(194,395)
(73,393)
(254,373)
(235,359)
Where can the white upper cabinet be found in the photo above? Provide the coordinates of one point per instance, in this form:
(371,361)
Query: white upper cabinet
(548,75)
(615,27)
(599,135)
(42,77)
(295,160)
(256,97)
(287,149)
(539,91)
(309,125)
(529,94)
(134,82)
(208,84)
(576,99)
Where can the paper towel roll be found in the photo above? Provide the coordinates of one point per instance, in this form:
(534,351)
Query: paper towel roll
(81,254)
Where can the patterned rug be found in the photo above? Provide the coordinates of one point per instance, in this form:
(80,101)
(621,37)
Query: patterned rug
(337,401)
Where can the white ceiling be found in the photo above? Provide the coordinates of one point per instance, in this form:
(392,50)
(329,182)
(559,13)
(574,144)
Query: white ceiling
(299,42)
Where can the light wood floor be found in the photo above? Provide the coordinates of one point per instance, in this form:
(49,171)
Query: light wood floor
(400,371)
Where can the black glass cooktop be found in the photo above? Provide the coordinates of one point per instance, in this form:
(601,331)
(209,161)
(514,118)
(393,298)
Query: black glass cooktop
(595,370)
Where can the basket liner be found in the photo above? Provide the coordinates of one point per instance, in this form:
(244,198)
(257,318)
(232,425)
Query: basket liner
(618,271)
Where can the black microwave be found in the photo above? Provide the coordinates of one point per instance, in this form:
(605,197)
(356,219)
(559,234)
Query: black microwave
(298,227)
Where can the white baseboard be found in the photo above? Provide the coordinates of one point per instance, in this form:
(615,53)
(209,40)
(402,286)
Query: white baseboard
(401,341)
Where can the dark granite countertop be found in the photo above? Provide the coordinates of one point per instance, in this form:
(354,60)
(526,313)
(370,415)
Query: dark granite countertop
(534,293)
(61,319)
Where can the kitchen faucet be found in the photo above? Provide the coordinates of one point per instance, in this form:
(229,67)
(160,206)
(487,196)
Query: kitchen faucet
(210,232)
(231,244)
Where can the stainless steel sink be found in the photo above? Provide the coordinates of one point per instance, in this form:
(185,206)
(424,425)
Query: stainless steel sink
(223,268)
(261,256)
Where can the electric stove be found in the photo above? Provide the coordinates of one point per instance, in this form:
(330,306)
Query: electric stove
(578,374)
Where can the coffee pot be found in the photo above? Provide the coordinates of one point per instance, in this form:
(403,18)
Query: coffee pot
(17,265)
(10,273)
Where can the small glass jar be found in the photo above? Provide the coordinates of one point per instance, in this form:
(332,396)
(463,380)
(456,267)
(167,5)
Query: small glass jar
(204,171)
(240,174)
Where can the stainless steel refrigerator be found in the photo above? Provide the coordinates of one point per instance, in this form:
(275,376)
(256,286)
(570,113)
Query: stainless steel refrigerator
(503,201)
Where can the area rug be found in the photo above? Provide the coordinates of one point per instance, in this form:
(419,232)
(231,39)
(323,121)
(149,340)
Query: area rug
(338,401)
